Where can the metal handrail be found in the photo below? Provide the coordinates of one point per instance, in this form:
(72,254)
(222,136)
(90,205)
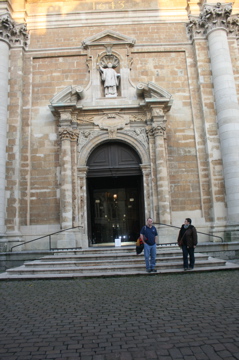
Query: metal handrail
(75,227)
(199,232)
(42,237)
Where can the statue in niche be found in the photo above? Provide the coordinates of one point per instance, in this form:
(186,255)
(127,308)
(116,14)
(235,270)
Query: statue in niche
(110,79)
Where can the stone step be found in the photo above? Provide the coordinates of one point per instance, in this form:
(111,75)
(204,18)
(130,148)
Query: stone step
(104,268)
(107,257)
(120,251)
(104,260)
(108,262)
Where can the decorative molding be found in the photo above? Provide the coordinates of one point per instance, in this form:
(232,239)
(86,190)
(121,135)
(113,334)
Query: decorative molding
(212,17)
(13,33)
(138,117)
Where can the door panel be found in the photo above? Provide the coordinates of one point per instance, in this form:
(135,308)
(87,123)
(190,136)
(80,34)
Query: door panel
(113,159)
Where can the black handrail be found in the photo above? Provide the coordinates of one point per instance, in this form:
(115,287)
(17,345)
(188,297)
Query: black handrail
(75,227)
(199,232)
(42,237)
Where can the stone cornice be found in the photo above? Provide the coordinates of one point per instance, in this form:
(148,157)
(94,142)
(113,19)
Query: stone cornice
(11,32)
(212,17)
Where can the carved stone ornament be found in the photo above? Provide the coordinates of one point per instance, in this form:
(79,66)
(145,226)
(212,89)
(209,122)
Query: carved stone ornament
(112,122)
(105,60)
(68,134)
(86,136)
(156,130)
(213,16)
(11,32)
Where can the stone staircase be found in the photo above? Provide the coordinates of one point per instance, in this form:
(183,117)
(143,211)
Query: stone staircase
(102,262)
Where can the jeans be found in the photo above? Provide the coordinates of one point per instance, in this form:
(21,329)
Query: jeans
(150,256)
(188,251)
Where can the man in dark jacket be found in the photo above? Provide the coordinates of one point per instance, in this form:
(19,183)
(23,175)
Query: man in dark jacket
(148,235)
(187,240)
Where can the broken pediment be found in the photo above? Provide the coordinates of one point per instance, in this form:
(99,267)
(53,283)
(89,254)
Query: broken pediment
(108,37)
(152,90)
(69,95)
(152,93)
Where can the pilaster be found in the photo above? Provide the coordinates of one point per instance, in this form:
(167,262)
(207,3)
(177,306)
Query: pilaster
(82,198)
(67,135)
(147,179)
(158,130)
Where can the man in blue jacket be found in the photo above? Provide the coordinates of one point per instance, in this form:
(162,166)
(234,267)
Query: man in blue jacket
(148,235)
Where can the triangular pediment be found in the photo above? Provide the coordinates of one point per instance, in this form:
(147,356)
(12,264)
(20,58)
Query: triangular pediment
(108,37)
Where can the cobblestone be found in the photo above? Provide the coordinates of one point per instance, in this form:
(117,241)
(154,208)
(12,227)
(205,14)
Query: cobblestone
(192,316)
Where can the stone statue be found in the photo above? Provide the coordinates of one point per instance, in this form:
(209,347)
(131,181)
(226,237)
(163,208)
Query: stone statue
(110,79)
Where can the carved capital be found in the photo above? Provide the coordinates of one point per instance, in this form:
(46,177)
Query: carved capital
(68,134)
(212,17)
(11,32)
(157,130)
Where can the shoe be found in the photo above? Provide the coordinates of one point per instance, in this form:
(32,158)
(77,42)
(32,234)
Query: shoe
(148,271)
(190,268)
(154,270)
(185,269)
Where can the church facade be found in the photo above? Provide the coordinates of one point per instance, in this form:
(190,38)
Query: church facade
(115,111)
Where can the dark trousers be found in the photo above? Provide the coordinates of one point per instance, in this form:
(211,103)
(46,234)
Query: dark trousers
(188,251)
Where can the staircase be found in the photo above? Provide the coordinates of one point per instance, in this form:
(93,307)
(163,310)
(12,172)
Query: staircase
(102,262)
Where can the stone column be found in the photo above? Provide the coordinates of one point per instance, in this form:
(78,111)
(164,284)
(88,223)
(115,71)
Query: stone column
(158,130)
(147,180)
(214,22)
(154,190)
(66,135)
(82,200)
(74,140)
(4,58)
(11,34)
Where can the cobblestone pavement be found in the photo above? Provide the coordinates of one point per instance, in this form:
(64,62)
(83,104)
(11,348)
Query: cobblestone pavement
(190,316)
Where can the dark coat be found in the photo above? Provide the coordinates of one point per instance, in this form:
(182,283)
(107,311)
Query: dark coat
(190,238)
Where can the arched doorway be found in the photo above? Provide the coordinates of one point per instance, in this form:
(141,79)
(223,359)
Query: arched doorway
(114,183)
